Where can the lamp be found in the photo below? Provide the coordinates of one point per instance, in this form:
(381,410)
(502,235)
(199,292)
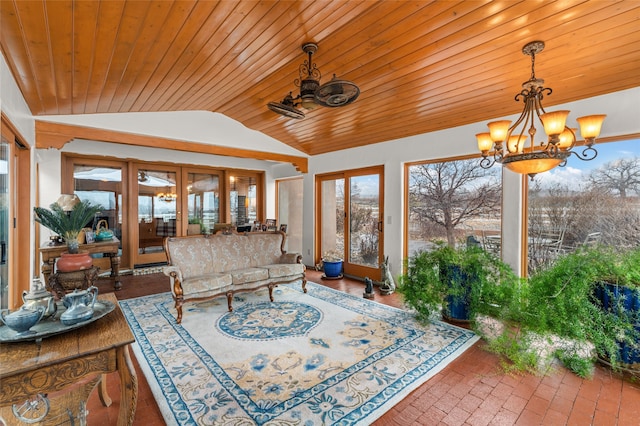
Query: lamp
(508,142)
(167,196)
(335,93)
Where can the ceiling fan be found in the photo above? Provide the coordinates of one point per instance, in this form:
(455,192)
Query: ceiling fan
(335,93)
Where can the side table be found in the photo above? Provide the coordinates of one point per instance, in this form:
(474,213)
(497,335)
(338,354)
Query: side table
(111,249)
(63,370)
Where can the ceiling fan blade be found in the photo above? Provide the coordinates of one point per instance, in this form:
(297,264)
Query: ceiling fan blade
(337,93)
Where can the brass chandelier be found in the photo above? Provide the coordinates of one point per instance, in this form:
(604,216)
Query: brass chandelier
(508,141)
(335,93)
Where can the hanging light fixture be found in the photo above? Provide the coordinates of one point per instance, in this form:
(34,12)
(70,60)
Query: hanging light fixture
(509,142)
(335,93)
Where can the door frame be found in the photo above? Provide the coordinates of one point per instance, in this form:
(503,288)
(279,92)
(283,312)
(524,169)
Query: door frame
(350,269)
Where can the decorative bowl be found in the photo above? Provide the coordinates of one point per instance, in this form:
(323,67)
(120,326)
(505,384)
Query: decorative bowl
(23,319)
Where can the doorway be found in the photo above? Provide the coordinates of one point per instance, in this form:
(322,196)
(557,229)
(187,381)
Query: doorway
(350,211)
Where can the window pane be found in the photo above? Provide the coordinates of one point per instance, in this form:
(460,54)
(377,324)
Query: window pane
(243,200)
(585,203)
(451,201)
(332,217)
(364,215)
(156,209)
(203,202)
(101,185)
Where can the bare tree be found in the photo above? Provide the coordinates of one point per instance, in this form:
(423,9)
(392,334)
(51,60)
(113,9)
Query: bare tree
(620,176)
(448,193)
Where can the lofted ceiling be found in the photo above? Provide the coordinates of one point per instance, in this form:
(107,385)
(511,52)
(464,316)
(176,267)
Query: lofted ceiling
(421,65)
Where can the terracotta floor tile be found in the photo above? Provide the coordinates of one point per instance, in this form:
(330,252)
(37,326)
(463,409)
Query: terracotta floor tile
(470,403)
(504,418)
(553,417)
(538,405)
(456,417)
(481,417)
(515,404)
(529,418)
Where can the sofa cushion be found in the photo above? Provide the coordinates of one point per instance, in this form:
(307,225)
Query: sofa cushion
(284,269)
(202,285)
(247,275)
(192,255)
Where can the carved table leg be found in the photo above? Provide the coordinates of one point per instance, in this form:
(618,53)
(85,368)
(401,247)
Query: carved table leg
(128,386)
(115,270)
(102,392)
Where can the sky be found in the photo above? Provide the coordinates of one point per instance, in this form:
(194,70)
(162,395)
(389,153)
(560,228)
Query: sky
(576,170)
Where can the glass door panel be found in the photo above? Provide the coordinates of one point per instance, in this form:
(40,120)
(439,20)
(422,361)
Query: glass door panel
(203,202)
(102,184)
(243,201)
(350,211)
(158,212)
(364,220)
(332,216)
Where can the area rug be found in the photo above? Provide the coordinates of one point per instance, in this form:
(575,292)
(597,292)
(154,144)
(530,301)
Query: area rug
(325,357)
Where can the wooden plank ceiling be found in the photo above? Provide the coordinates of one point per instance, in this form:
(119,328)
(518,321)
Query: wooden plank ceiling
(421,65)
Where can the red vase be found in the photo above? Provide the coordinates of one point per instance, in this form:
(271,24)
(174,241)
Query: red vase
(69,262)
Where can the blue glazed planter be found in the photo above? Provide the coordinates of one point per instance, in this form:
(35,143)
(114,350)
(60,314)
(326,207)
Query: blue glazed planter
(622,301)
(457,307)
(332,269)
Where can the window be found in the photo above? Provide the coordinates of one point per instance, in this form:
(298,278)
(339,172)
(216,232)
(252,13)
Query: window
(585,203)
(451,201)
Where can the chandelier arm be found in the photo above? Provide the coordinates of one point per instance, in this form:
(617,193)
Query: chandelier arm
(486,162)
(588,154)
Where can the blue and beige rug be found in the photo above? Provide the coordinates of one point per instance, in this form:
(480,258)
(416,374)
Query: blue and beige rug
(320,358)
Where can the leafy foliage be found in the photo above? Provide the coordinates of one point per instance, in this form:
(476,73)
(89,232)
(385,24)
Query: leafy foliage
(469,271)
(67,225)
(563,301)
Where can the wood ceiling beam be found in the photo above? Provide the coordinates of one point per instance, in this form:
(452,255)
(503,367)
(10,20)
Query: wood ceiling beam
(56,135)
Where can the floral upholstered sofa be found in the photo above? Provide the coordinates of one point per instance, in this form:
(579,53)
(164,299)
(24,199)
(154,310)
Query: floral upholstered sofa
(203,267)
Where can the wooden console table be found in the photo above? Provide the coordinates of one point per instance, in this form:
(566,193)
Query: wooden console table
(50,253)
(65,368)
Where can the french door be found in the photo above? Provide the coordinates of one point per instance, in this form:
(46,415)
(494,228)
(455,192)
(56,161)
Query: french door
(350,211)
(159,210)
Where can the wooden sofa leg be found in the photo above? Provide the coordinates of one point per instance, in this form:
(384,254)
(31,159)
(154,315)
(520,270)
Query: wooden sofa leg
(230,300)
(271,286)
(304,285)
(179,309)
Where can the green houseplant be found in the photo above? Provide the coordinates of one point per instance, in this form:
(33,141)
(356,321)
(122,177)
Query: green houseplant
(588,300)
(67,224)
(461,283)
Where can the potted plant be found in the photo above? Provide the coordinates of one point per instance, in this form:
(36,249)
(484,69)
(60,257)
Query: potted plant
(68,224)
(584,307)
(332,264)
(458,283)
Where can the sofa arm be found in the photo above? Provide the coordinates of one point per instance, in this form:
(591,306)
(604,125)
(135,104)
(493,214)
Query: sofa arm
(175,274)
(291,258)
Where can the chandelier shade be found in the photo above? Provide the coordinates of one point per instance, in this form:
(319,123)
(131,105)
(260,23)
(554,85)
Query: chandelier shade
(335,93)
(508,143)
